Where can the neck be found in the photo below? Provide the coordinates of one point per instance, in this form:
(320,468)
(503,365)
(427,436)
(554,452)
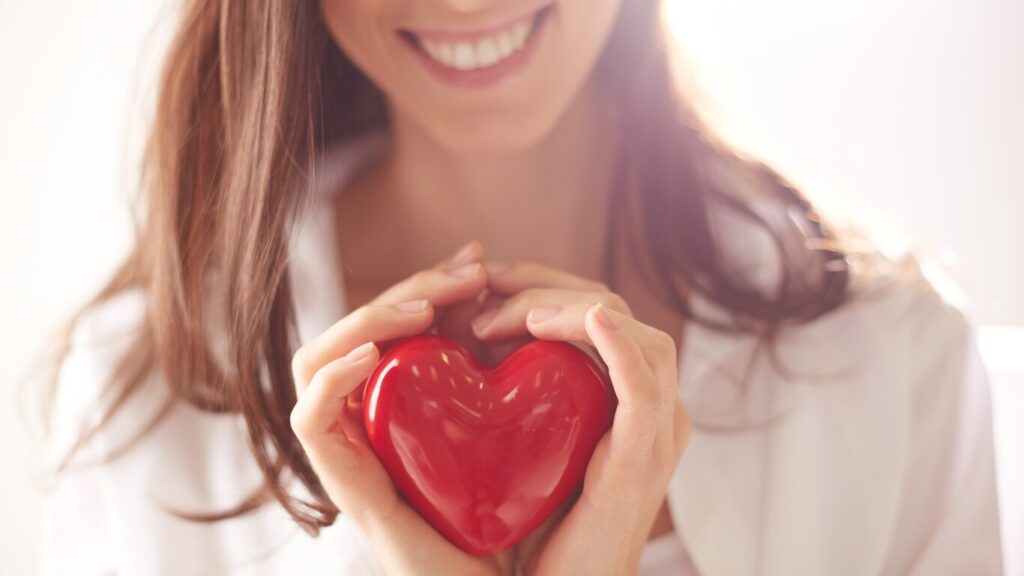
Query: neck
(547,202)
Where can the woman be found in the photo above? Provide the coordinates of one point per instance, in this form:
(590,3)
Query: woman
(311,171)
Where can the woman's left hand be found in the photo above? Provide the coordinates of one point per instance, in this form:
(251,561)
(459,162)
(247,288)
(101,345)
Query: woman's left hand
(625,483)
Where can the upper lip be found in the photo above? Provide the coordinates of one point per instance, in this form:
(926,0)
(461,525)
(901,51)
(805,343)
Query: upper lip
(465,33)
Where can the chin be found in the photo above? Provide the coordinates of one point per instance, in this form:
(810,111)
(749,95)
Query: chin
(484,138)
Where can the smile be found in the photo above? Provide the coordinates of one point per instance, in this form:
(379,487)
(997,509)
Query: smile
(477,57)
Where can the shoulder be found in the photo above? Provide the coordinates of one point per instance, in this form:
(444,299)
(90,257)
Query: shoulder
(914,301)
(904,319)
(905,306)
(905,337)
(876,413)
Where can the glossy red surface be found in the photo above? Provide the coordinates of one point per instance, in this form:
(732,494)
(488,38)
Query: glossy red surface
(485,454)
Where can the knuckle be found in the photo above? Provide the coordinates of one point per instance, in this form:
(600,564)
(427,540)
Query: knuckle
(647,397)
(599,286)
(664,343)
(299,421)
(301,364)
(684,425)
(651,396)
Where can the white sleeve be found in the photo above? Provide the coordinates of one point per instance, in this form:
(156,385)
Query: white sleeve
(77,533)
(949,517)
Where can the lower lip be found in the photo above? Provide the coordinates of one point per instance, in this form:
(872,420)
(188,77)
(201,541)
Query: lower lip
(491,75)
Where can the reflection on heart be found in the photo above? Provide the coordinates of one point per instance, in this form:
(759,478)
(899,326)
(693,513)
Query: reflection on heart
(485,455)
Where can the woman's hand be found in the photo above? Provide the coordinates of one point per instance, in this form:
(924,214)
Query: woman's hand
(327,418)
(606,529)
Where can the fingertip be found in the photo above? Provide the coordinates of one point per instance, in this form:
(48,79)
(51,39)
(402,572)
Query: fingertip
(594,324)
(541,314)
(413,306)
(590,322)
(603,316)
(361,353)
(466,271)
(471,251)
(483,321)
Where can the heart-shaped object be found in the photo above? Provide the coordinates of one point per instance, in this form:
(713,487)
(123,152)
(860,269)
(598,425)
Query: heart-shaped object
(485,454)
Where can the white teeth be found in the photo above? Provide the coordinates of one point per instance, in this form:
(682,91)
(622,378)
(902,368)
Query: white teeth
(505,45)
(519,34)
(465,56)
(446,54)
(484,53)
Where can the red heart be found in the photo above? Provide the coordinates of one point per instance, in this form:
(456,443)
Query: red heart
(485,455)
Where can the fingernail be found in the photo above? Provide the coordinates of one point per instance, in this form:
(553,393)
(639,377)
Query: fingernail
(605,318)
(360,352)
(464,255)
(481,322)
(541,314)
(412,306)
(495,268)
(466,270)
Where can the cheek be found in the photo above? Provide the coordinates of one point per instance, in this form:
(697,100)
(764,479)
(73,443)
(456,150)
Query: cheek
(587,25)
(359,28)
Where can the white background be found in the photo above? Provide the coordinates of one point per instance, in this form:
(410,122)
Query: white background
(909,111)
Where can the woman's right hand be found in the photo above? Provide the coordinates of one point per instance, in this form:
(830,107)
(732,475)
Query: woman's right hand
(327,418)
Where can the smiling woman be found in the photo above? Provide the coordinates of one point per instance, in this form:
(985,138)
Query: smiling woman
(311,168)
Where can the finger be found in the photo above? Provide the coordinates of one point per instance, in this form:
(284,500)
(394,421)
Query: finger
(377,322)
(318,407)
(632,377)
(509,319)
(371,323)
(453,322)
(471,251)
(450,280)
(441,286)
(681,426)
(491,300)
(508,278)
(568,323)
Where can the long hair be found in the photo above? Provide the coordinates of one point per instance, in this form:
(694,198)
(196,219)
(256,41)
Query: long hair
(252,92)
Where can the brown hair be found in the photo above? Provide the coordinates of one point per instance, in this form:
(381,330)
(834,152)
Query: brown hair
(252,92)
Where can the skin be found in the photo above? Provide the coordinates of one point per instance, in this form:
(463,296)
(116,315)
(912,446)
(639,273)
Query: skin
(524,168)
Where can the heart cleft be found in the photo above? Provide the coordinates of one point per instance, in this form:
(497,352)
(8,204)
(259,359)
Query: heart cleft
(485,454)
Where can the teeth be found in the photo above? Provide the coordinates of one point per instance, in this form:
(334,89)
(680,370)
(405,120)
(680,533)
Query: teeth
(487,52)
(446,54)
(465,57)
(519,34)
(505,45)
(481,54)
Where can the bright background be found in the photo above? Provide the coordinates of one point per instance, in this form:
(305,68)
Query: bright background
(909,111)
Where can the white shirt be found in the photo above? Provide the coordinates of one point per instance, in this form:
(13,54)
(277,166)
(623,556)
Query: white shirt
(874,457)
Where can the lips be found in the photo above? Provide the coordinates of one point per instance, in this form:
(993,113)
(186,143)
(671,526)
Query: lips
(481,56)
